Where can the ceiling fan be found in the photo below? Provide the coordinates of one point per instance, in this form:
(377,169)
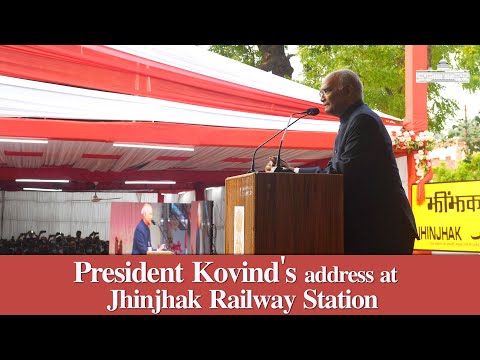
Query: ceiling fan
(95,197)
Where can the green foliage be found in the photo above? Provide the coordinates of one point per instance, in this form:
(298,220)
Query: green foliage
(247,54)
(441,109)
(380,67)
(469,58)
(382,70)
(464,171)
(468,131)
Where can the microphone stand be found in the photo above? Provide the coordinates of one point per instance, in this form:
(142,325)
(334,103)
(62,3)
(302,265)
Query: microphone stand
(281,142)
(252,169)
(155,223)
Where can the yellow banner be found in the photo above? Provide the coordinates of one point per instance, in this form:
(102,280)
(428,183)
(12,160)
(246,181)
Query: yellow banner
(449,218)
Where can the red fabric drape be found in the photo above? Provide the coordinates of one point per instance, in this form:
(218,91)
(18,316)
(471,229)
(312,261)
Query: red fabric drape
(415,104)
(421,186)
(412,178)
(160,133)
(412,173)
(102,68)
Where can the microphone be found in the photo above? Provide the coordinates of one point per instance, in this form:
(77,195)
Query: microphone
(155,223)
(311,111)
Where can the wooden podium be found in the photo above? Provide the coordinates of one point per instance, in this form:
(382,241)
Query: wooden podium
(284,213)
(160,252)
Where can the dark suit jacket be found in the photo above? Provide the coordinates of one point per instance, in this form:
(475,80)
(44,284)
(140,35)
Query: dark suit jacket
(141,239)
(378,216)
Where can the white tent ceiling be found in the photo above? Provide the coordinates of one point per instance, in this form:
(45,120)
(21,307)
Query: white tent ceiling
(84,98)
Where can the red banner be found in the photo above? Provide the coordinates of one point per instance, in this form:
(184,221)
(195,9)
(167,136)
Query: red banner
(239,285)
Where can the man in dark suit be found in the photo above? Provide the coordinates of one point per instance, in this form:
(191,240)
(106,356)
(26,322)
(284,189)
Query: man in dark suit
(378,217)
(141,236)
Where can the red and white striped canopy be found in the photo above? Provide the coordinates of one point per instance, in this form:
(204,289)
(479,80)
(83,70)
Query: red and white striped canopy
(84,98)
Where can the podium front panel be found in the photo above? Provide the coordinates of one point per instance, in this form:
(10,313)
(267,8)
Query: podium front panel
(284,213)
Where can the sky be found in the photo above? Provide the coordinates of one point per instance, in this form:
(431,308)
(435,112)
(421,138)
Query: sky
(464,98)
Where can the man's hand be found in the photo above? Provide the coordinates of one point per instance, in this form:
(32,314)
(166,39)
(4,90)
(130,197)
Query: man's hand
(272,161)
(270,164)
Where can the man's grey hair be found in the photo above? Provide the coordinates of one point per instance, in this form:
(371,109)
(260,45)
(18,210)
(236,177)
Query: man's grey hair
(145,208)
(348,77)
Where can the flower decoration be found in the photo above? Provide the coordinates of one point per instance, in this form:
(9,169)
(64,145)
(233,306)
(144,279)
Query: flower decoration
(422,143)
(408,140)
(422,164)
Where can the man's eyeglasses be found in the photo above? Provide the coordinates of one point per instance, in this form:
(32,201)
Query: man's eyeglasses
(325,92)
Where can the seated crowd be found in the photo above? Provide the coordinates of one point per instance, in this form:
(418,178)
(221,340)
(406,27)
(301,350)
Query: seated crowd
(30,243)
